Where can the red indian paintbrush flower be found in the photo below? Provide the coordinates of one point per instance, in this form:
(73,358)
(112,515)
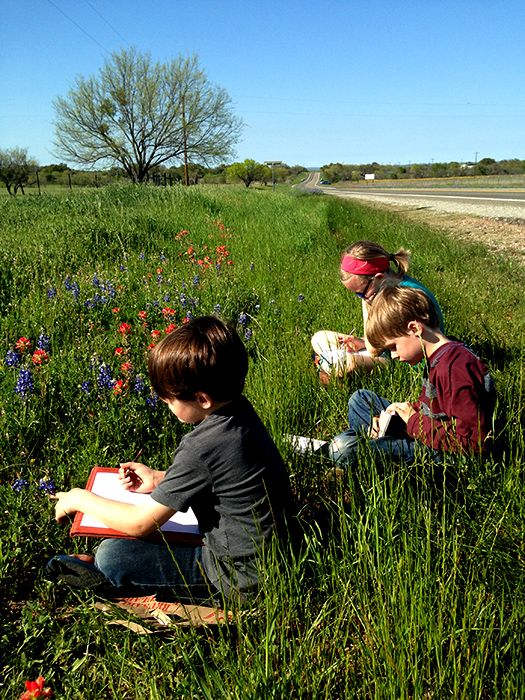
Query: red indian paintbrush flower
(39,356)
(23,344)
(36,689)
(124,328)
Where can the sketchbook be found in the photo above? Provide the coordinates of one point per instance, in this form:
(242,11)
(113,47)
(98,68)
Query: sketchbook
(304,445)
(104,481)
(330,348)
(391,425)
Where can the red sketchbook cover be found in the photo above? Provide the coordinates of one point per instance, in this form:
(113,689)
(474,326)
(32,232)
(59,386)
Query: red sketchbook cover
(104,481)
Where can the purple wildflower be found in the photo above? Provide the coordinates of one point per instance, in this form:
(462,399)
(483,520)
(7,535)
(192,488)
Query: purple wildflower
(47,486)
(217,308)
(104,379)
(248,334)
(139,384)
(24,384)
(13,358)
(86,386)
(243,319)
(51,292)
(19,484)
(43,342)
(300,297)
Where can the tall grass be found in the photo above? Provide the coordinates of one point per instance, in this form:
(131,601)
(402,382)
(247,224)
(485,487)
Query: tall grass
(402,589)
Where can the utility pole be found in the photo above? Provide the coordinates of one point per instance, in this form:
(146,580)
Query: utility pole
(185,144)
(272,164)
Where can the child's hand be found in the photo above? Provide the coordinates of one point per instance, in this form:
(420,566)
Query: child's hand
(404,410)
(67,503)
(351,343)
(373,430)
(135,476)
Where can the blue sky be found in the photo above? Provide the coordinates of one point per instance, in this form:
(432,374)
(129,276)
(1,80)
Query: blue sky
(401,81)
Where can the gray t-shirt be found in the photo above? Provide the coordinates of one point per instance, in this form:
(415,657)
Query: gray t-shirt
(229,471)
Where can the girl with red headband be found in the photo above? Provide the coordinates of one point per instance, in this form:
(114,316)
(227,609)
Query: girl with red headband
(365,268)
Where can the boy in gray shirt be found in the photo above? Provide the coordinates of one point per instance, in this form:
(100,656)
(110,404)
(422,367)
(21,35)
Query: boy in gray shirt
(227,469)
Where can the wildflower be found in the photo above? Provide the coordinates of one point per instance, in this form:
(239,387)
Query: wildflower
(23,344)
(167,312)
(155,334)
(141,256)
(196,280)
(86,386)
(119,351)
(162,257)
(24,384)
(118,387)
(139,384)
(152,401)
(252,267)
(43,342)
(13,358)
(72,287)
(143,315)
(169,328)
(51,292)
(104,379)
(300,297)
(47,486)
(217,308)
(124,328)
(36,689)
(243,319)
(182,299)
(19,485)
(122,268)
(115,310)
(248,334)
(126,367)
(39,356)
(166,298)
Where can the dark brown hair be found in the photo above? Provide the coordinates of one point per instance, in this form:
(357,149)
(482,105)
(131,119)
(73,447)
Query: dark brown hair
(204,355)
(392,310)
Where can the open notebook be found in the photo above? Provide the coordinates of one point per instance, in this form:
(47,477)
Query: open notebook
(104,481)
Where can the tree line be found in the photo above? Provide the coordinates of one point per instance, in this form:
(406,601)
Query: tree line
(337,172)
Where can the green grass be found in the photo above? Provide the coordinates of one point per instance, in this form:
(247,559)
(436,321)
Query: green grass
(464,182)
(400,592)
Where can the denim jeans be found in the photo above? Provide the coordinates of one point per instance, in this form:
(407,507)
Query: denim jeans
(145,567)
(344,448)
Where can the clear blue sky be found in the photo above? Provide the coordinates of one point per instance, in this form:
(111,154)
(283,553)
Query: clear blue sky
(392,81)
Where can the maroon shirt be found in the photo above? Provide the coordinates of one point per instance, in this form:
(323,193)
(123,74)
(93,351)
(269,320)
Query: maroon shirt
(455,408)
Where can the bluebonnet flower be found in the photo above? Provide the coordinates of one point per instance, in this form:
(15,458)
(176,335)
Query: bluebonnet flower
(104,379)
(122,268)
(257,307)
(24,384)
(109,288)
(182,299)
(162,257)
(252,267)
(96,281)
(86,386)
(139,384)
(196,280)
(243,319)
(218,267)
(190,315)
(166,297)
(19,484)
(141,256)
(159,279)
(47,486)
(300,297)
(152,401)
(43,342)
(193,302)
(72,287)
(248,334)
(217,308)
(13,358)
(51,292)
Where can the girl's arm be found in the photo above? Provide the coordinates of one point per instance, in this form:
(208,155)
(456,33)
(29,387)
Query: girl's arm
(133,520)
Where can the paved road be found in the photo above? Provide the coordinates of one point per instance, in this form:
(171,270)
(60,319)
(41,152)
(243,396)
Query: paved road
(489,202)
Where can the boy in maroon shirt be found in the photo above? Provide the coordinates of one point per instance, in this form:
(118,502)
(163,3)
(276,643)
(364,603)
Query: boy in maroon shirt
(454,411)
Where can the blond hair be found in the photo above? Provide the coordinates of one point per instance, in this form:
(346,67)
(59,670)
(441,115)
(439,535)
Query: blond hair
(368,250)
(392,310)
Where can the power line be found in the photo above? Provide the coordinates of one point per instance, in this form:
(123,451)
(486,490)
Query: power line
(70,19)
(106,21)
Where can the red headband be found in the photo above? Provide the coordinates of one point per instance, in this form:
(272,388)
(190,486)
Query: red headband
(355,266)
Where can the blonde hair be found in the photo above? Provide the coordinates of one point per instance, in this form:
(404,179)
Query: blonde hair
(368,250)
(392,310)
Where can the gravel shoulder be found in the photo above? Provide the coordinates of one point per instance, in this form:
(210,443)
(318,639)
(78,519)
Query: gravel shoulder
(501,234)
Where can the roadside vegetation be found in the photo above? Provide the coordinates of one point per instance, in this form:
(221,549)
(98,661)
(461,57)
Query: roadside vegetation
(402,590)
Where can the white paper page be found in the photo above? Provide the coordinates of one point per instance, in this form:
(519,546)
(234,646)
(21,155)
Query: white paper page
(108,485)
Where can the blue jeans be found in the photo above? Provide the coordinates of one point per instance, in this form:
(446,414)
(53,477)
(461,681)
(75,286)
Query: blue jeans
(145,567)
(344,448)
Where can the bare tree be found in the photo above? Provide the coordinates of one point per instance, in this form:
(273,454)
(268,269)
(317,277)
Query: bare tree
(16,168)
(139,115)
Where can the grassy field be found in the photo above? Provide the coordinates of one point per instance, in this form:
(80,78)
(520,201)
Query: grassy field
(466,182)
(401,592)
